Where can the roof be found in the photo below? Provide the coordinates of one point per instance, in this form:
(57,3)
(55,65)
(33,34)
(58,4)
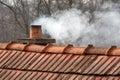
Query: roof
(50,62)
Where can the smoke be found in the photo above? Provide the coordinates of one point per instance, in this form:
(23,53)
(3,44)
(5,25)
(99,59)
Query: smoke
(74,27)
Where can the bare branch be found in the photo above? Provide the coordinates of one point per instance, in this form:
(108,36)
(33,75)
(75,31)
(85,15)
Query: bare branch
(15,14)
(48,7)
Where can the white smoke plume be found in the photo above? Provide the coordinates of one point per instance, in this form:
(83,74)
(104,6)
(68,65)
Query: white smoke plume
(73,27)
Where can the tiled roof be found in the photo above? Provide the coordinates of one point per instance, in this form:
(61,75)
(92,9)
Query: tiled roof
(32,62)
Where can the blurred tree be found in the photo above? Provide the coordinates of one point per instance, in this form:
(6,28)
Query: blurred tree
(16,15)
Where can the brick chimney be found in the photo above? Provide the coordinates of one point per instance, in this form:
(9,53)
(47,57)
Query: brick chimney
(35,32)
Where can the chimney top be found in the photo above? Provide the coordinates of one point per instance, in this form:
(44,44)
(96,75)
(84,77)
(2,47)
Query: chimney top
(35,25)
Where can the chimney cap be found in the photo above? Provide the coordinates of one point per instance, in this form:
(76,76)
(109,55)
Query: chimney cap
(35,25)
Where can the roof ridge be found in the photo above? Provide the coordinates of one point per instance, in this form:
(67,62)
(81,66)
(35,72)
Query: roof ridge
(69,49)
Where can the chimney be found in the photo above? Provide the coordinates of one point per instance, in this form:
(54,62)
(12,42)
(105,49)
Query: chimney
(36,37)
(35,32)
